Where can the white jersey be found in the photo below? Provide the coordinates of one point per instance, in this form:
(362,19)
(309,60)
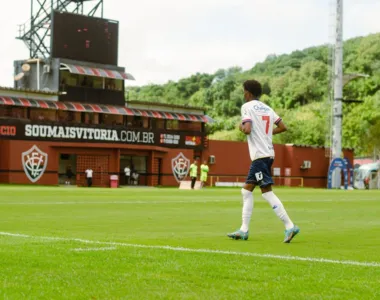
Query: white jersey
(262,118)
(88,173)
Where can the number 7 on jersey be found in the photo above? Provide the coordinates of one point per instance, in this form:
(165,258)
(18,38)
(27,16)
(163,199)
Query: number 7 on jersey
(266,119)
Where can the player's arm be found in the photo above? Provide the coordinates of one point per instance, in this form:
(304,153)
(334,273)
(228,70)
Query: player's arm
(246,127)
(246,124)
(281,127)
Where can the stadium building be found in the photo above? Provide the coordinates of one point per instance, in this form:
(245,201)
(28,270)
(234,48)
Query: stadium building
(42,135)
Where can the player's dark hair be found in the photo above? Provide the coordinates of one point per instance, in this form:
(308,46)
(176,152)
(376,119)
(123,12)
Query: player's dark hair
(254,87)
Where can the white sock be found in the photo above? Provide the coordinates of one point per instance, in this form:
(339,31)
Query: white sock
(278,208)
(247,209)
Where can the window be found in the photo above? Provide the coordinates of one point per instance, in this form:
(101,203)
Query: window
(90,118)
(38,114)
(111,119)
(113,84)
(63,116)
(172,124)
(135,122)
(145,122)
(13,112)
(98,83)
(76,116)
(190,126)
(139,164)
(86,81)
(129,121)
(68,79)
(5,111)
(158,124)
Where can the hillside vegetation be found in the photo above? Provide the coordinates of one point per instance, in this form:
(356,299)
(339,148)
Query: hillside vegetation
(296,85)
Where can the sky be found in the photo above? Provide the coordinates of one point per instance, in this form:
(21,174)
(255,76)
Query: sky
(162,40)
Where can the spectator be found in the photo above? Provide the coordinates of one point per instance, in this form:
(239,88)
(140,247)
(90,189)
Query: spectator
(204,173)
(127,172)
(89,176)
(193,173)
(69,175)
(135,177)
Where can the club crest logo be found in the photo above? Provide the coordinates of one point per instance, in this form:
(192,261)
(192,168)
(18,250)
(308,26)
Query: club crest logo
(180,167)
(34,162)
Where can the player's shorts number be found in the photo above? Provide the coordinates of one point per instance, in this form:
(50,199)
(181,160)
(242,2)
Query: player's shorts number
(259,176)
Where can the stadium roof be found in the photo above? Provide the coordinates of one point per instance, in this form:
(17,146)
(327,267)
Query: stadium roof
(25,90)
(105,109)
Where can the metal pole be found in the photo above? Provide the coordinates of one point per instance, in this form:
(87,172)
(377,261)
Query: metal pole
(31,27)
(338,89)
(38,74)
(338,82)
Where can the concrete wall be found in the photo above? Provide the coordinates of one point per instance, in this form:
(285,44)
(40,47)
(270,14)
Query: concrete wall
(232,158)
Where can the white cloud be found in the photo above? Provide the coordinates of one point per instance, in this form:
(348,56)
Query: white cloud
(167,40)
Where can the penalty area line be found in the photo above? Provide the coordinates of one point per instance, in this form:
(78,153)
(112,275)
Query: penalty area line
(194,250)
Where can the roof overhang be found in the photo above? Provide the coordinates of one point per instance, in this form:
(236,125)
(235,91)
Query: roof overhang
(97,72)
(100,108)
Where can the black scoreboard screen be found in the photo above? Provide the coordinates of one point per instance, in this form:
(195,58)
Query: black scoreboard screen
(84,38)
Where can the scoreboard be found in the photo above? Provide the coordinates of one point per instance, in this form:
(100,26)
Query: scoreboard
(84,38)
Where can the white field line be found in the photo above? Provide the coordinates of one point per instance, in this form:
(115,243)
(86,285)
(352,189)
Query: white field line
(208,251)
(93,249)
(174,201)
(113,202)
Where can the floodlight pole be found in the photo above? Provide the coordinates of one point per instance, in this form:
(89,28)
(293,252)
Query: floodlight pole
(336,146)
(338,83)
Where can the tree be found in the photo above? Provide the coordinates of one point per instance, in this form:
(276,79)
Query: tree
(296,86)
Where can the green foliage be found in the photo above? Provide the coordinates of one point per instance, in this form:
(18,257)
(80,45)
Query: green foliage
(296,86)
(363,120)
(306,125)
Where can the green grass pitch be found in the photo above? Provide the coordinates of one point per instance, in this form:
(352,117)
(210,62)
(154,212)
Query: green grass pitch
(150,243)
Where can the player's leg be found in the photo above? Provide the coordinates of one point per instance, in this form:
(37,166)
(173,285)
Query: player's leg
(203,180)
(266,189)
(247,194)
(193,179)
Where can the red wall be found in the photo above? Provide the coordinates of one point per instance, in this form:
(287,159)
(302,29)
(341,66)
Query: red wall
(13,163)
(232,159)
(168,178)
(12,171)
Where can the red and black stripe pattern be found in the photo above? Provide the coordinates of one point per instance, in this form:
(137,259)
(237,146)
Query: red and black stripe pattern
(76,69)
(99,108)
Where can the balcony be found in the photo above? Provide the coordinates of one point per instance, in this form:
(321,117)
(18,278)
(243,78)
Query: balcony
(92,95)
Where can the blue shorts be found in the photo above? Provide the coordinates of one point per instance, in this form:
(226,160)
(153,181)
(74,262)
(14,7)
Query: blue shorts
(260,172)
